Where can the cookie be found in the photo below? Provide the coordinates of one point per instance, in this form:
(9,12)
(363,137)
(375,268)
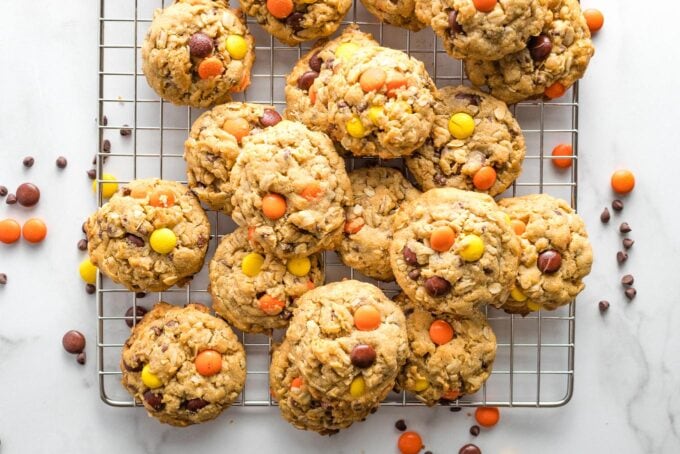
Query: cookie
(454,251)
(400,13)
(214,144)
(556,253)
(449,356)
(476,144)
(378,193)
(307,105)
(297,21)
(552,62)
(291,190)
(256,292)
(152,234)
(198,52)
(185,365)
(471,31)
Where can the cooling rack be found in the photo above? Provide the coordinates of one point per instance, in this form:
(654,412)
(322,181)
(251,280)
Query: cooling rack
(535,358)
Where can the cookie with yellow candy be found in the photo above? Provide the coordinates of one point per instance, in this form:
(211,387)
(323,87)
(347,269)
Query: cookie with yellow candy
(257,292)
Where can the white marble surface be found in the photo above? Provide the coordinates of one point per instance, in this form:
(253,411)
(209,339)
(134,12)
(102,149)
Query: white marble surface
(627,364)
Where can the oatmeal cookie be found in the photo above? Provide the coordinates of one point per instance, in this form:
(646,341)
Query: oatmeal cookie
(400,13)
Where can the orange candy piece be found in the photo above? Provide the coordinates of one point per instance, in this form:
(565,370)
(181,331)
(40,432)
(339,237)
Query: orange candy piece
(138,193)
(410,443)
(556,90)
(237,127)
(280,9)
(451,394)
(354,225)
(518,226)
(312,94)
(441,332)
(487,416)
(442,238)
(372,79)
(485,178)
(310,285)
(296,382)
(34,230)
(162,199)
(208,362)
(270,305)
(594,19)
(565,150)
(312,191)
(10,231)
(623,181)
(485,6)
(395,83)
(251,233)
(274,206)
(367,318)
(210,67)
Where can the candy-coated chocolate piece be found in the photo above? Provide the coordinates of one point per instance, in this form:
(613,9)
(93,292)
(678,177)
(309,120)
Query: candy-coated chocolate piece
(461,125)
(163,240)
(150,379)
(252,264)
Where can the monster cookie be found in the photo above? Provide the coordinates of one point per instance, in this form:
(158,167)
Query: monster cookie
(552,62)
(349,342)
(256,292)
(296,21)
(307,102)
(400,13)
(378,192)
(185,365)
(476,144)
(454,251)
(197,52)
(291,190)
(151,235)
(449,356)
(556,254)
(483,30)
(214,144)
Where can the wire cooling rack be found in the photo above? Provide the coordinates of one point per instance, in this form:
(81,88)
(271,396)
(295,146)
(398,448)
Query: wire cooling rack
(535,358)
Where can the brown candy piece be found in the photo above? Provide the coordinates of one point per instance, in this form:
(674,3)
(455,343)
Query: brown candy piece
(154,400)
(474,430)
(362,356)
(3,191)
(617,205)
(73,341)
(603,305)
(630,293)
(628,243)
(307,79)
(270,117)
(61,162)
(414,274)
(138,311)
(28,194)
(621,256)
(315,62)
(605,216)
(11,199)
(628,279)
(470,449)
(200,45)
(3,279)
(454,26)
(409,256)
(81,358)
(29,161)
(294,21)
(540,47)
(196,404)
(134,240)
(549,261)
(437,286)
(625,228)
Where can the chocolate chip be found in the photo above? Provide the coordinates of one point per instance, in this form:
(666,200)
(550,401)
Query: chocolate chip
(628,279)
(540,47)
(90,289)
(473,99)
(11,199)
(437,286)
(3,191)
(454,26)
(427,452)
(270,117)
(83,227)
(625,228)
(73,341)
(140,294)
(29,161)
(474,430)
(315,62)
(603,305)
(362,356)
(105,121)
(439,179)
(136,368)
(307,79)
(82,245)
(414,274)
(549,261)
(61,162)
(28,194)
(628,243)
(125,131)
(134,240)
(455,409)
(200,45)
(106,146)
(3,279)
(154,400)
(605,216)
(139,312)
(410,257)
(81,358)
(617,205)
(92,174)
(621,256)
(294,21)
(196,404)
(630,293)
(400,425)
(470,449)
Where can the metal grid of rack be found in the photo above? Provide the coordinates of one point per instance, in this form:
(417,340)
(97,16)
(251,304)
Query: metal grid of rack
(535,357)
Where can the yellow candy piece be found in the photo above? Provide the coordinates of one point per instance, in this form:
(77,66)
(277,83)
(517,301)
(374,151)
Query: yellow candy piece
(471,248)
(149,379)
(374,114)
(461,125)
(88,271)
(163,240)
(355,128)
(108,189)
(534,307)
(507,218)
(421,385)
(252,264)
(237,47)
(358,387)
(299,266)
(346,50)
(517,295)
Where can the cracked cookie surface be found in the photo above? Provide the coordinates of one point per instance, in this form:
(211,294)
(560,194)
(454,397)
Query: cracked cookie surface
(400,13)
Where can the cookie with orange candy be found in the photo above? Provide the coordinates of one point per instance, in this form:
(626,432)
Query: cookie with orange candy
(197,52)
(449,356)
(476,144)
(184,365)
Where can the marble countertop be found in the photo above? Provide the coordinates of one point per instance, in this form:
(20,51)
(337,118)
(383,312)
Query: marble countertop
(627,376)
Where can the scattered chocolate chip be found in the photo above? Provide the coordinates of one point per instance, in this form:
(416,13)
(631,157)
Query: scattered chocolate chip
(410,257)
(400,425)
(140,294)
(628,243)
(106,146)
(136,368)
(3,191)
(621,256)
(139,312)
(437,286)
(617,205)
(196,404)
(603,305)
(427,452)
(3,279)
(625,228)
(200,45)
(455,409)
(92,174)
(605,216)
(549,261)
(540,47)
(294,21)
(362,356)
(414,274)
(470,449)
(105,120)
(628,279)
(125,131)
(62,162)
(90,289)
(270,117)
(28,194)
(454,26)
(474,430)
(134,240)
(82,245)
(630,293)
(29,161)
(154,400)
(73,341)
(315,62)
(83,227)
(307,79)
(81,358)
(11,199)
